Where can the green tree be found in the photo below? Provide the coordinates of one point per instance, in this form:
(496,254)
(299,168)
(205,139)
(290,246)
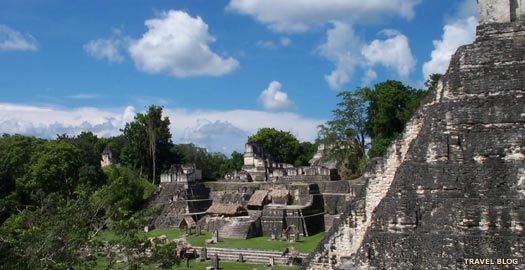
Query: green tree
(135,249)
(209,163)
(432,81)
(15,153)
(135,150)
(234,163)
(281,145)
(53,236)
(147,137)
(390,106)
(306,152)
(88,144)
(158,133)
(345,135)
(54,168)
(124,193)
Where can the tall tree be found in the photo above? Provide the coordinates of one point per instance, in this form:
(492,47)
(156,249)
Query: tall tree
(281,145)
(345,135)
(148,136)
(209,163)
(158,129)
(15,153)
(234,163)
(390,106)
(54,168)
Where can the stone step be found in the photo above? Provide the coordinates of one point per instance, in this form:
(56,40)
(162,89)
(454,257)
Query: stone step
(235,230)
(249,255)
(251,251)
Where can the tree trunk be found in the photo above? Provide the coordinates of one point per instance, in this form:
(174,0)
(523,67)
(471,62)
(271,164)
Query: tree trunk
(154,167)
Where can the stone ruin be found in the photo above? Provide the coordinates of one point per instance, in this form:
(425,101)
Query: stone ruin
(183,174)
(259,166)
(107,157)
(265,198)
(451,189)
(181,196)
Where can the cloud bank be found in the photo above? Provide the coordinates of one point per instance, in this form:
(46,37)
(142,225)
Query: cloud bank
(223,131)
(300,15)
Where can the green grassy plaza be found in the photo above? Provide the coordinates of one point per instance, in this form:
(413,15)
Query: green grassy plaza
(307,244)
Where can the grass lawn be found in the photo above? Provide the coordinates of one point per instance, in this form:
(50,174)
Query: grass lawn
(307,244)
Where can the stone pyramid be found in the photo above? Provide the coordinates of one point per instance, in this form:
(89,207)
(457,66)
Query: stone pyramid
(450,192)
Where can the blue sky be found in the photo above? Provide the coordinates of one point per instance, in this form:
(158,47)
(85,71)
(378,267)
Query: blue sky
(221,69)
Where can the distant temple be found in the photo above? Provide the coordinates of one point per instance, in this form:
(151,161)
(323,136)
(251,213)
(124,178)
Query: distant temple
(107,157)
(184,174)
(259,166)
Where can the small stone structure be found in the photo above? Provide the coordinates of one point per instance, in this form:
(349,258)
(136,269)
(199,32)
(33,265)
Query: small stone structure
(107,157)
(181,196)
(500,11)
(178,173)
(230,210)
(187,223)
(259,166)
(258,199)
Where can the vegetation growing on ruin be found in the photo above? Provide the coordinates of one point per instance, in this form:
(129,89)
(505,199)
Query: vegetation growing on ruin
(367,120)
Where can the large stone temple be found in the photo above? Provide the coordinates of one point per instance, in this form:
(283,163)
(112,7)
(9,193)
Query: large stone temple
(450,192)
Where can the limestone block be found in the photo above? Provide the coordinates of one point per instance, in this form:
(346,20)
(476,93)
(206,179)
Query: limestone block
(493,11)
(517,10)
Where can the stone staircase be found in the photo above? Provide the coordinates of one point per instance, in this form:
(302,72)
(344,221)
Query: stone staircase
(250,255)
(235,229)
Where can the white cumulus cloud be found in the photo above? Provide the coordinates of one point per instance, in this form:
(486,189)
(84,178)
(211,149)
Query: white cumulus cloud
(12,40)
(109,49)
(457,32)
(343,48)
(178,44)
(393,53)
(300,15)
(273,99)
(350,52)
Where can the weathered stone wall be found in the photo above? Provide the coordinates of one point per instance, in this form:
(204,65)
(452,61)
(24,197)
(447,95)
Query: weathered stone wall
(176,201)
(452,187)
(491,11)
